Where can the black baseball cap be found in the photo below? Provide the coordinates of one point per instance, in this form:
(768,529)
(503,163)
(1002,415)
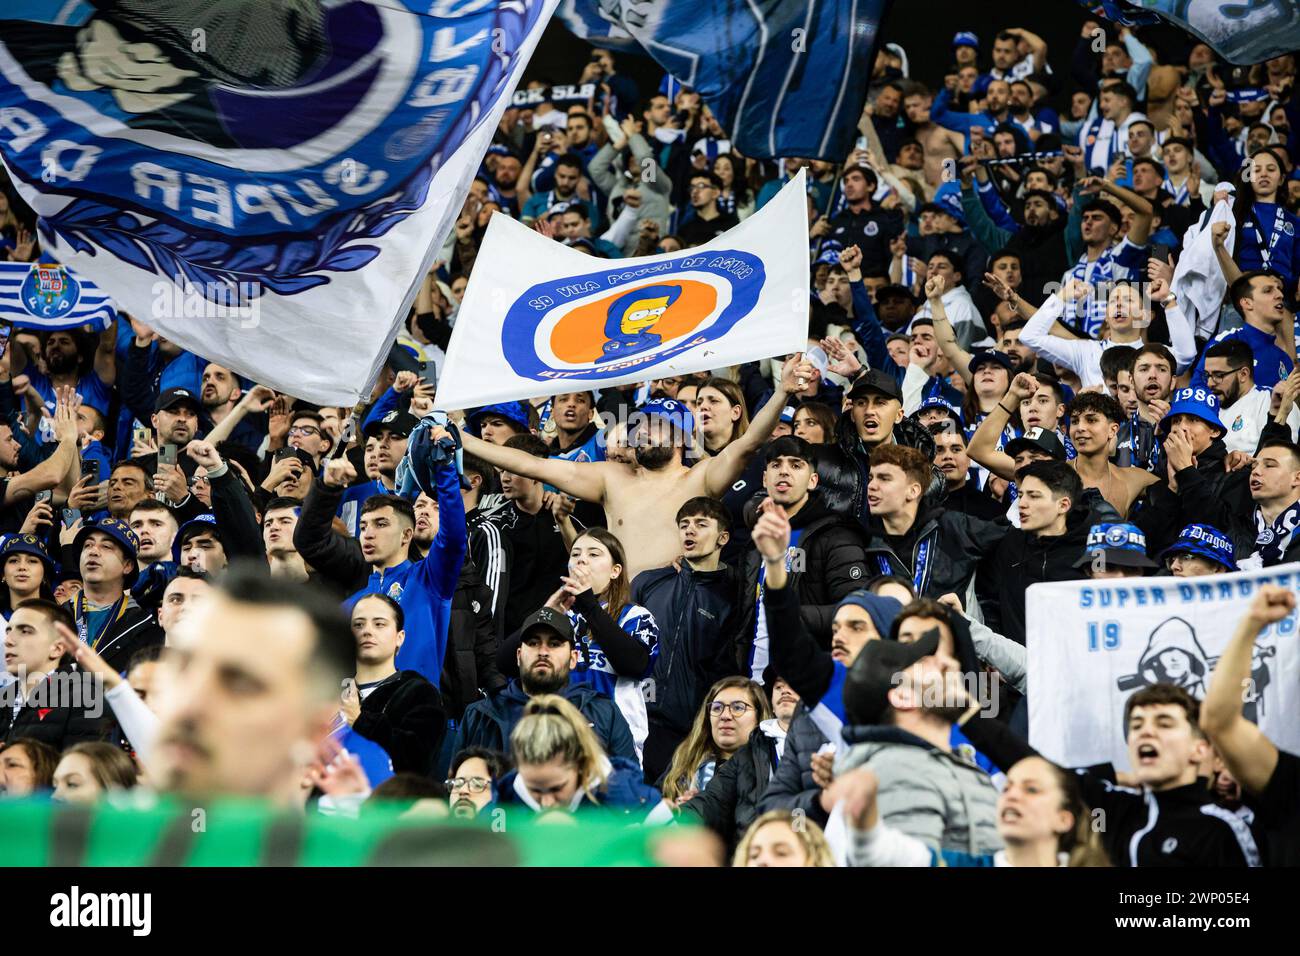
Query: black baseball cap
(990,355)
(874,674)
(175,396)
(548,618)
(874,380)
(1037,439)
(399,423)
(895,291)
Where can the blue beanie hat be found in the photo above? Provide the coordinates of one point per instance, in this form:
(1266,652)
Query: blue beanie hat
(882,610)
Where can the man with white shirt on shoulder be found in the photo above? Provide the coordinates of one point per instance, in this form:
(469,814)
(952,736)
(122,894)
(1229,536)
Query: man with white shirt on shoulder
(1244,407)
(962,313)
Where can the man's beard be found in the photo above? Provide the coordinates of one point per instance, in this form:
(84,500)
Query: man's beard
(61,363)
(534,684)
(653,457)
(1230,395)
(464,808)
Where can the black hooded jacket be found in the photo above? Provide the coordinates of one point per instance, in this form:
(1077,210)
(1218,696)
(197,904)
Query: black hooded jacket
(1208,494)
(1023,559)
(693,610)
(952,544)
(832,562)
(851,469)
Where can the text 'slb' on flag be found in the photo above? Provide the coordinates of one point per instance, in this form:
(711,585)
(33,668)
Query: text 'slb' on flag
(271,199)
(784,77)
(540,318)
(47,295)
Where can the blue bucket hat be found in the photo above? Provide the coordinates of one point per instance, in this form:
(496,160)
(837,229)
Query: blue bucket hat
(512,411)
(672,411)
(28,544)
(966,38)
(1121,544)
(120,532)
(1199,402)
(882,610)
(1205,541)
(947,198)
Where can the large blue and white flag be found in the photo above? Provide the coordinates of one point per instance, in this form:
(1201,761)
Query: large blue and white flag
(46,295)
(598,22)
(1241,31)
(784,77)
(1092,644)
(541,318)
(265,182)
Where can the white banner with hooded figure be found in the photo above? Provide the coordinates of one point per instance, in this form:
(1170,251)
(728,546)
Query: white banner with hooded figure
(1092,644)
(540,318)
(264,182)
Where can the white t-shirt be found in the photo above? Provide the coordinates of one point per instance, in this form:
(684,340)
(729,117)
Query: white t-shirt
(1246,417)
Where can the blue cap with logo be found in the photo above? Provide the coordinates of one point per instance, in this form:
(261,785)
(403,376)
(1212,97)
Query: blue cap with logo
(1120,543)
(116,529)
(670,410)
(1199,402)
(28,544)
(966,38)
(1205,541)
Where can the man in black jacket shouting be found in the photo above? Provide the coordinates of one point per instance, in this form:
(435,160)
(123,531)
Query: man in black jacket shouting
(397,714)
(937,549)
(692,605)
(827,558)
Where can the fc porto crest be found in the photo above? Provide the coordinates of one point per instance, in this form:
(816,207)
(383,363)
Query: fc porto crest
(605,324)
(49,292)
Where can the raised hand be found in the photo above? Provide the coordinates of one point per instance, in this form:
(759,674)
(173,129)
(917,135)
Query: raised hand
(204,453)
(797,374)
(1271,604)
(1023,386)
(771,532)
(843,361)
(851,259)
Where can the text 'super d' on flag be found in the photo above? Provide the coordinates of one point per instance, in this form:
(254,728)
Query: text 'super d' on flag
(274,197)
(784,77)
(541,318)
(1092,644)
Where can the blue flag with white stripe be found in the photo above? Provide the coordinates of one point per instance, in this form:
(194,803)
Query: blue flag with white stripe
(784,77)
(266,183)
(46,295)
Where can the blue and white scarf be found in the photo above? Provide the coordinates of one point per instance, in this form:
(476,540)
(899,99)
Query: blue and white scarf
(1273,538)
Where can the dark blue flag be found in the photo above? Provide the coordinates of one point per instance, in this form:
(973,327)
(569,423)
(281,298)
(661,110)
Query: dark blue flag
(784,77)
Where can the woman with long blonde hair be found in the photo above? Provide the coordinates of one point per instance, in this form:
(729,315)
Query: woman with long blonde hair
(733,709)
(559,763)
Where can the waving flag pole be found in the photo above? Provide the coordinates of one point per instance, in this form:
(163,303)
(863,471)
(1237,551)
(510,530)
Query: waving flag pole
(539,318)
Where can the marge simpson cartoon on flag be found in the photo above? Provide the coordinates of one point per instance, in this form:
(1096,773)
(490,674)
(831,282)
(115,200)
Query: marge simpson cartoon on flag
(541,318)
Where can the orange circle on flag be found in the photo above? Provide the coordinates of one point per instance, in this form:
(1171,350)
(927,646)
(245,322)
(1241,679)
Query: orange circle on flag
(579,337)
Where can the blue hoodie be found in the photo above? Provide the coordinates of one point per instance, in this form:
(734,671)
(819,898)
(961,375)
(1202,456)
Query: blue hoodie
(424,588)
